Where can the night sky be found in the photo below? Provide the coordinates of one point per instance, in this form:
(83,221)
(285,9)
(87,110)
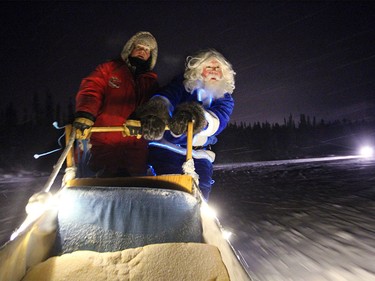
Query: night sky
(315,58)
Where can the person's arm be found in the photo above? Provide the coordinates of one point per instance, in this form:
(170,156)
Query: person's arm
(218,115)
(91,93)
(89,99)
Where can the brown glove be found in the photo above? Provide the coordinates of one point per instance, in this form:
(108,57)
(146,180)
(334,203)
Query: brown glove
(154,116)
(185,112)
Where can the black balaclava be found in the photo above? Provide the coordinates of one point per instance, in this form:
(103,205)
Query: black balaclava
(140,66)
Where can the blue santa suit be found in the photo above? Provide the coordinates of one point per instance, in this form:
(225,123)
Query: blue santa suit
(167,155)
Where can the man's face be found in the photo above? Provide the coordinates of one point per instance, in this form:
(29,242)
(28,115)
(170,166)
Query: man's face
(141,51)
(212,70)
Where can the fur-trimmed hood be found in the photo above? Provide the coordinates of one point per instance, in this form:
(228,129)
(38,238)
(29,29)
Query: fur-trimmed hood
(144,38)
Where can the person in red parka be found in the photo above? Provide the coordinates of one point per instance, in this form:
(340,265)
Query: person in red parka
(108,97)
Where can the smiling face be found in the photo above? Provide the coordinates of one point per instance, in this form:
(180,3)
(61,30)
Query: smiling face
(212,70)
(213,78)
(141,52)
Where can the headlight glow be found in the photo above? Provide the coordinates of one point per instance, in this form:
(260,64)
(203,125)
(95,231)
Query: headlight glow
(366,151)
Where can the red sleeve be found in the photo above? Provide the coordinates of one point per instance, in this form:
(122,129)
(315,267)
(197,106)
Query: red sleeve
(91,92)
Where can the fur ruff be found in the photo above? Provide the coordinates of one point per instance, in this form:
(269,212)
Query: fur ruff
(146,38)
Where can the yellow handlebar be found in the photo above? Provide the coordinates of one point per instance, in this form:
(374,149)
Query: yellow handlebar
(131,128)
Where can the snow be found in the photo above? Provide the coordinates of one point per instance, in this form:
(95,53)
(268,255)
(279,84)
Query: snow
(301,220)
(16,187)
(306,219)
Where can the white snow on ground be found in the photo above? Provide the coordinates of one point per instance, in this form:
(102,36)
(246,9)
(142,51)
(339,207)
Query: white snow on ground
(301,221)
(15,190)
(291,220)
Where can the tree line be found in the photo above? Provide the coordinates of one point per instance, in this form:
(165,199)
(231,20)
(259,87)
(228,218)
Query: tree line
(299,137)
(29,130)
(42,111)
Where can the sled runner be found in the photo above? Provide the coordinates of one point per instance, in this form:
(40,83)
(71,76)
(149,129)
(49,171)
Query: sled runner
(125,228)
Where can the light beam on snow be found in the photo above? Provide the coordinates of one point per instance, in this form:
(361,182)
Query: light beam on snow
(208,210)
(37,206)
(282,162)
(226,234)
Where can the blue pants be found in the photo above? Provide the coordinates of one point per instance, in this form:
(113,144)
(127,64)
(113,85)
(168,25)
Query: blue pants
(165,161)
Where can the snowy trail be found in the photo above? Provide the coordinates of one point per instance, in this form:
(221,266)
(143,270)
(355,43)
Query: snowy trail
(15,191)
(291,220)
(301,221)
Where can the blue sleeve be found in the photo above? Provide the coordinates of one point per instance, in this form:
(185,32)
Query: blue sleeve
(223,109)
(176,94)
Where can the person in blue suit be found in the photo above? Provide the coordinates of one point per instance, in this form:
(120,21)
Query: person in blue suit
(203,93)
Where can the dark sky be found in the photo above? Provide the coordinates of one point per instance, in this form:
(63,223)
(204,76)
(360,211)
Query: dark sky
(316,58)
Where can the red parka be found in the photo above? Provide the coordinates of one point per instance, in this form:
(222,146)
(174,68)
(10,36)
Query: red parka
(111,93)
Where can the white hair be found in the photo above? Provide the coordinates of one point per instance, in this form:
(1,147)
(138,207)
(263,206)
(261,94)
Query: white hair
(194,67)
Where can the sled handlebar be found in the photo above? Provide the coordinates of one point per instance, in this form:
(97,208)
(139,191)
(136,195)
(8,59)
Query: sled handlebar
(133,128)
(129,128)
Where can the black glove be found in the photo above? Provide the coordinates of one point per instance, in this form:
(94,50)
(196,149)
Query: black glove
(154,116)
(83,122)
(185,112)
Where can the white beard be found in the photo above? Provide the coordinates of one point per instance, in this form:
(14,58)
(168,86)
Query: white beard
(211,90)
(216,88)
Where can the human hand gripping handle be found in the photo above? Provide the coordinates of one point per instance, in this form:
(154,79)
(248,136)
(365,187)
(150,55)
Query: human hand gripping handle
(179,121)
(154,116)
(152,127)
(83,126)
(185,112)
